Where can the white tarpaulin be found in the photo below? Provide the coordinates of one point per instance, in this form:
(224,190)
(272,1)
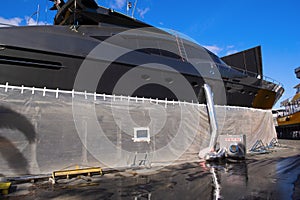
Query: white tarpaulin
(46,130)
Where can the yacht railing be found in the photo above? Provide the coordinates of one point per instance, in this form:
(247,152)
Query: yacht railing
(96,96)
(256,75)
(181,36)
(105,97)
(253,74)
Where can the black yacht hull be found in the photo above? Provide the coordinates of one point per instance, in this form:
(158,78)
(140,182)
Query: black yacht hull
(50,56)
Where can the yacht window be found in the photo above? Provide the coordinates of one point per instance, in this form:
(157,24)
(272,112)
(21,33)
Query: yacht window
(160,52)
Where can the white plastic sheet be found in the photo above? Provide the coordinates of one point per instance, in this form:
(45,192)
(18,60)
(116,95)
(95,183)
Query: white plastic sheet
(46,130)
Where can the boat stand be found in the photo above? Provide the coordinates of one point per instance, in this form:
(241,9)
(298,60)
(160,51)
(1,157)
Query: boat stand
(274,143)
(259,147)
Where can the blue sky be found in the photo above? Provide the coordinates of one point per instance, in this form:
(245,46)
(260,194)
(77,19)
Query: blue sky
(222,26)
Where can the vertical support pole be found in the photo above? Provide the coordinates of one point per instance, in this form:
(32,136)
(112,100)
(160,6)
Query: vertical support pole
(211,115)
(212,120)
(6,87)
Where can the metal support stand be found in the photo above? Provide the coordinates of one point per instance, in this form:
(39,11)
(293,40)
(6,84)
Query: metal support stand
(140,162)
(259,147)
(274,143)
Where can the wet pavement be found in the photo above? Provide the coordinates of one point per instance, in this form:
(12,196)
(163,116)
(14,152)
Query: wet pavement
(269,176)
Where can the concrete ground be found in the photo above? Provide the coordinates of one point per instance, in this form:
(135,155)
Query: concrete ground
(275,175)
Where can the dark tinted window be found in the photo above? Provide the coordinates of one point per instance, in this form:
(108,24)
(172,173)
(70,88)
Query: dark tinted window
(160,53)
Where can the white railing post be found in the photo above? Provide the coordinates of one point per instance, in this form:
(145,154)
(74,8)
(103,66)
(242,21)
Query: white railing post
(166,102)
(44,92)
(57,91)
(6,87)
(22,89)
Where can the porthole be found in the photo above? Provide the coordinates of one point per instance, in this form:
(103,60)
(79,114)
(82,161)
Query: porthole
(169,80)
(195,84)
(146,77)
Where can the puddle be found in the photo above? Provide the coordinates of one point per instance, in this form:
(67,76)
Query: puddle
(250,179)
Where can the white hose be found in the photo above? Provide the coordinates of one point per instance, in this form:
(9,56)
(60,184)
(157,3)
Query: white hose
(216,184)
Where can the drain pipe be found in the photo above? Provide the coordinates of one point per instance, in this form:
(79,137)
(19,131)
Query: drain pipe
(212,119)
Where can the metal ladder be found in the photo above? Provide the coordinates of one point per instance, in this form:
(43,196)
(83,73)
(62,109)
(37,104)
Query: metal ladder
(140,162)
(181,48)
